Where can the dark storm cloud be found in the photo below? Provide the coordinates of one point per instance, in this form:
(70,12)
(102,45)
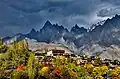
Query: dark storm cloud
(115,2)
(22,15)
(113,9)
(109,12)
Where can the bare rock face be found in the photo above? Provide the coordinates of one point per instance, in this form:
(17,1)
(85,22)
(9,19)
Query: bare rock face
(112,52)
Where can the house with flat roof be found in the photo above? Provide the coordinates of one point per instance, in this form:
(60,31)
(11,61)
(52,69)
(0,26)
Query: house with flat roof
(58,52)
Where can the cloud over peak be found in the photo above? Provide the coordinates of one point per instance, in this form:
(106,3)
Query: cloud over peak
(109,12)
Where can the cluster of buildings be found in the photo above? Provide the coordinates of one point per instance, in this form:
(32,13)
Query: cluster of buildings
(79,59)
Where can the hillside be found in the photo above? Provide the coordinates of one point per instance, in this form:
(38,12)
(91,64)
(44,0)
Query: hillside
(44,46)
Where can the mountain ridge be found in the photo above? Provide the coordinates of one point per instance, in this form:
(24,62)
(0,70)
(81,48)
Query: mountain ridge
(102,34)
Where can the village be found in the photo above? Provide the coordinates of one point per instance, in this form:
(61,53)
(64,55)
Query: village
(80,59)
(53,50)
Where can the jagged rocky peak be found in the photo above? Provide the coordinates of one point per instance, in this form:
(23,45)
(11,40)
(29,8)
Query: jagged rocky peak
(48,23)
(48,27)
(32,34)
(116,18)
(100,23)
(55,24)
(112,23)
(78,30)
(75,28)
(117,15)
(106,24)
(33,30)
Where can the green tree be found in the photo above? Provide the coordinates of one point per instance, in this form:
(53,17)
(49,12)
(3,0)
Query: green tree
(14,56)
(32,66)
(3,48)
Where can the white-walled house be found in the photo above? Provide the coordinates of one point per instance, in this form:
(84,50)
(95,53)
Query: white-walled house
(50,53)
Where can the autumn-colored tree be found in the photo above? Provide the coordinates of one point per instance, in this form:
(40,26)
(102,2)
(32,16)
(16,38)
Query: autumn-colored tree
(115,73)
(89,68)
(100,72)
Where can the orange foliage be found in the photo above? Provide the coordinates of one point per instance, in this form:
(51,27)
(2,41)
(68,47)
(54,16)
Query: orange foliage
(21,67)
(74,74)
(57,71)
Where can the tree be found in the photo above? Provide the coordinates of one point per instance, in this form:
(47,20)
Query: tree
(1,42)
(14,56)
(3,48)
(32,66)
(97,61)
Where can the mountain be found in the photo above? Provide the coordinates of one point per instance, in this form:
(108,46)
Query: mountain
(108,33)
(92,41)
(78,30)
(49,33)
(103,40)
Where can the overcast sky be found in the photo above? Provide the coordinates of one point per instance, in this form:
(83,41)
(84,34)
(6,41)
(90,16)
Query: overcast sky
(22,15)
